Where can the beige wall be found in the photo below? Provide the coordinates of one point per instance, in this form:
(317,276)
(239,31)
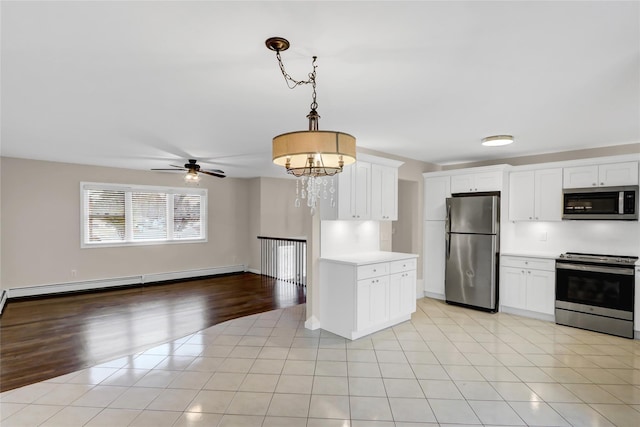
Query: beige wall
(614,150)
(273,214)
(41,226)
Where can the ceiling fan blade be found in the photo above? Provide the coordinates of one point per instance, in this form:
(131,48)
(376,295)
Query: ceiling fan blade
(212,170)
(213,174)
(171,170)
(179,167)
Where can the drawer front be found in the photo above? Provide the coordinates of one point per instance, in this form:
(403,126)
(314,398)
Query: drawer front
(373,270)
(529,263)
(402,265)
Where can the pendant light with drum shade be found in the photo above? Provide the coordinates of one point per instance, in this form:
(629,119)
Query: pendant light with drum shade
(312,155)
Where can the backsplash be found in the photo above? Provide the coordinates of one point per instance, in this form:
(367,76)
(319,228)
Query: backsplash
(348,237)
(598,237)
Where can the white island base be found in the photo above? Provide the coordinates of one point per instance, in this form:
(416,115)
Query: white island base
(364,293)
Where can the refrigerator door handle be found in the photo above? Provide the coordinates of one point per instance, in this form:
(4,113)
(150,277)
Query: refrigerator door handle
(447,244)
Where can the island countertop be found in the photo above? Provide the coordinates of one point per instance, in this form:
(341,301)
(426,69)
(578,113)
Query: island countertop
(364,258)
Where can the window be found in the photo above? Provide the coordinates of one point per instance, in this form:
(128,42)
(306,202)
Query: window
(120,215)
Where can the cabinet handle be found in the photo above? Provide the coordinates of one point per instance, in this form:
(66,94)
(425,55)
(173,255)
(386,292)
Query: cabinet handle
(602,183)
(594,184)
(374,270)
(536,218)
(529,272)
(530,218)
(522,271)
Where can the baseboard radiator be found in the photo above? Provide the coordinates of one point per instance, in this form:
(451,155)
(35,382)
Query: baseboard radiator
(89,285)
(284,259)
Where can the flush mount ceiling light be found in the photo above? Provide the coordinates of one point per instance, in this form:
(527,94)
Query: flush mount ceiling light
(497,140)
(312,154)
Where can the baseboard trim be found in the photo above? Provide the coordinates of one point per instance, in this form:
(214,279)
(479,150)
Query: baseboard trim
(254,271)
(187,274)
(89,285)
(527,313)
(312,323)
(3,300)
(434,295)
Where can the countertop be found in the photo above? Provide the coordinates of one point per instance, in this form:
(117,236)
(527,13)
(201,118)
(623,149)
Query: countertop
(545,255)
(364,258)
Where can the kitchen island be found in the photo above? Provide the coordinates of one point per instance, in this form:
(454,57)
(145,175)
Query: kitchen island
(362,293)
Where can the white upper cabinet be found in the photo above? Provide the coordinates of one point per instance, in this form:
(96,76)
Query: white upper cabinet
(365,190)
(384,193)
(476,182)
(535,195)
(605,175)
(354,192)
(436,191)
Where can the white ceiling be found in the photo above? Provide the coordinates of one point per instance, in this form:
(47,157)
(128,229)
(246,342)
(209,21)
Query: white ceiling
(144,84)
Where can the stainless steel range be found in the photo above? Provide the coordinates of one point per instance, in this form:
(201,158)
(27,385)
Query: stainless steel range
(596,292)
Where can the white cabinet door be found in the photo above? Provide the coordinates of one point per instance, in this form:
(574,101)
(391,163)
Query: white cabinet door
(384,193)
(535,195)
(363,303)
(372,302)
(346,180)
(354,192)
(548,195)
(402,293)
(362,187)
(434,258)
(636,320)
(606,175)
(521,195)
(436,191)
(462,183)
(541,291)
(618,174)
(488,181)
(513,292)
(580,176)
(481,181)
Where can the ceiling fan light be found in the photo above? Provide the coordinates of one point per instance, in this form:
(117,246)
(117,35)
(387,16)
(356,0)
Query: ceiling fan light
(192,177)
(497,140)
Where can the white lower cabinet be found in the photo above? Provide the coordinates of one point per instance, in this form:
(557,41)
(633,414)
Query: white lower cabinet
(636,318)
(434,259)
(357,299)
(528,284)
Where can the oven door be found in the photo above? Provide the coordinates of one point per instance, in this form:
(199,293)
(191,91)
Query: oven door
(595,289)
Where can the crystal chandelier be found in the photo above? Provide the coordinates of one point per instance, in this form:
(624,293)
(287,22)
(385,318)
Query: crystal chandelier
(312,155)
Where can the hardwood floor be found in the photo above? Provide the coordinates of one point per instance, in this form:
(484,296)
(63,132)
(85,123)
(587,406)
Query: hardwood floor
(47,337)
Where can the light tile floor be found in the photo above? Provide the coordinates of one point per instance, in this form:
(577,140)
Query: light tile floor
(447,366)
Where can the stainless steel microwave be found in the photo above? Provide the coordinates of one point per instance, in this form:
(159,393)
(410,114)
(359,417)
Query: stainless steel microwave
(618,203)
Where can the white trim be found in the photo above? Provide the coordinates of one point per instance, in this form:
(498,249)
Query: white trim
(312,323)
(186,274)
(527,313)
(384,161)
(89,285)
(56,288)
(3,300)
(434,295)
(254,270)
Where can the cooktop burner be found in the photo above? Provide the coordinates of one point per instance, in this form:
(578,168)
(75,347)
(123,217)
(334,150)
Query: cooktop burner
(601,259)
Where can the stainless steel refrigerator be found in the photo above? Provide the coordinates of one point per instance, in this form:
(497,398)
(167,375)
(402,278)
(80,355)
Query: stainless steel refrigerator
(472,250)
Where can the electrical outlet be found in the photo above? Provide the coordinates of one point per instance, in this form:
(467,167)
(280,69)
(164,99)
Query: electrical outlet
(74,273)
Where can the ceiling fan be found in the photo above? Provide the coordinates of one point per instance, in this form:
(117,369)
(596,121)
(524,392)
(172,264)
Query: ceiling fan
(193,169)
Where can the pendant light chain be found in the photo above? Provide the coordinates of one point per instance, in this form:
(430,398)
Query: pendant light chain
(293,83)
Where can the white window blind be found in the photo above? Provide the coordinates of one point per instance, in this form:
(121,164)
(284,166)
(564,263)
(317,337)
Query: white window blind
(120,215)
